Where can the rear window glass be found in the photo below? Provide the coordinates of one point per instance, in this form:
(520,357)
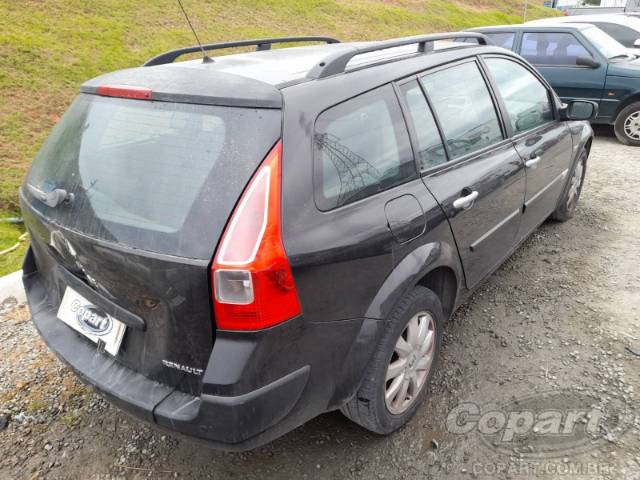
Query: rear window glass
(157,176)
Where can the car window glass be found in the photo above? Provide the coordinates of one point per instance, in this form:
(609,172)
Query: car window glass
(463,105)
(502,39)
(526,99)
(430,149)
(361,147)
(625,35)
(552,49)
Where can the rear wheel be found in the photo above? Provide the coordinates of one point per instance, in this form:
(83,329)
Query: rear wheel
(396,382)
(569,200)
(627,126)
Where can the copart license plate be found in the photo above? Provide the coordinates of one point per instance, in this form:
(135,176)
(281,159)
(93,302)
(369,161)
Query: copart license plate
(91,321)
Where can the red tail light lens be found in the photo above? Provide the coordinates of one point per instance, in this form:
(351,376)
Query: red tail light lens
(253,287)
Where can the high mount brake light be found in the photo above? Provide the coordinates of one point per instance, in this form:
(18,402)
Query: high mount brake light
(125,91)
(253,287)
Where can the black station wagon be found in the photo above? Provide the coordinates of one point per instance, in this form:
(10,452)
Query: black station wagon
(229,247)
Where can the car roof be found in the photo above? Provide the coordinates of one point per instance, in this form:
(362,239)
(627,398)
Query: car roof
(255,78)
(604,18)
(529,26)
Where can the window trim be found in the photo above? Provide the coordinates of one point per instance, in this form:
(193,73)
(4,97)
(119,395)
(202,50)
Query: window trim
(413,135)
(550,95)
(579,38)
(316,184)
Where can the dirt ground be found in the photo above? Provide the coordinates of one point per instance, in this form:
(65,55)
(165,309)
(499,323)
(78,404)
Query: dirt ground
(546,335)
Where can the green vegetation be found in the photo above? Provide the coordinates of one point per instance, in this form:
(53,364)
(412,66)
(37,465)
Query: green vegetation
(9,234)
(49,47)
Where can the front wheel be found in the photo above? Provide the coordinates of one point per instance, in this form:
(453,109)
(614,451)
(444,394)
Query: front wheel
(396,381)
(627,126)
(567,206)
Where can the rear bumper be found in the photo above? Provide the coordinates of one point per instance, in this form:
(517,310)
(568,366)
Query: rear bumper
(257,386)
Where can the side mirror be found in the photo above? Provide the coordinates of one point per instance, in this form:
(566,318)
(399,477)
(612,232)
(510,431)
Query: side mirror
(579,110)
(587,62)
(637,43)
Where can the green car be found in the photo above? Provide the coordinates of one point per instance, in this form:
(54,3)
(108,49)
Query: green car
(580,61)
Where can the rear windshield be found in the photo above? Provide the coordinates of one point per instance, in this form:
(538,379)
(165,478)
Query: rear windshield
(158,176)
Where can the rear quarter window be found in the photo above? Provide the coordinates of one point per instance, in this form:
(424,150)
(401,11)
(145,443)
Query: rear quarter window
(502,39)
(361,147)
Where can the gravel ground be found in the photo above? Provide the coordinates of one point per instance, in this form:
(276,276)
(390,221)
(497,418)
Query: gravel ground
(546,335)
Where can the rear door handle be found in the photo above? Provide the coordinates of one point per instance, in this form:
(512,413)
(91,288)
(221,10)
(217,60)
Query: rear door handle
(532,162)
(465,202)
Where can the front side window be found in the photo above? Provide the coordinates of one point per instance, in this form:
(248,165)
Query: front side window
(562,49)
(464,107)
(430,149)
(502,39)
(361,147)
(526,99)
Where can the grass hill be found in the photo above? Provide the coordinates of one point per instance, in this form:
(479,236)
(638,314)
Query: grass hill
(49,47)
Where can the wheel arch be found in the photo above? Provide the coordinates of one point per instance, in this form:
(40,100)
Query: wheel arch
(633,98)
(433,265)
(443,282)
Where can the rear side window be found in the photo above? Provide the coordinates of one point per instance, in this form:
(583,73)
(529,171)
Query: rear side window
(157,176)
(464,107)
(502,39)
(430,149)
(526,99)
(562,49)
(361,147)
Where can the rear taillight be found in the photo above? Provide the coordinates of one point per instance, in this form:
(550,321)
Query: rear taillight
(253,287)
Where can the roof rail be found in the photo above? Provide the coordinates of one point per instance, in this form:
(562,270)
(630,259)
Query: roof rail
(337,62)
(261,44)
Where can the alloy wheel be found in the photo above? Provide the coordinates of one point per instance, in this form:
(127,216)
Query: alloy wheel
(632,125)
(410,363)
(574,186)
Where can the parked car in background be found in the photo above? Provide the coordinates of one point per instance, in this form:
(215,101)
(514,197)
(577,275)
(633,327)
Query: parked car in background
(581,61)
(623,28)
(229,248)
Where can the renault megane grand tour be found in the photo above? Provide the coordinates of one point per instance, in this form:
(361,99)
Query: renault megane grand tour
(229,247)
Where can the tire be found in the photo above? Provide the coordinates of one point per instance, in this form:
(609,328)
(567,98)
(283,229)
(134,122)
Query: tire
(368,407)
(569,200)
(627,125)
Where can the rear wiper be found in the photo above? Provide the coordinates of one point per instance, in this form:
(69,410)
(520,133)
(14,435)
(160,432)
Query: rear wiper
(52,198)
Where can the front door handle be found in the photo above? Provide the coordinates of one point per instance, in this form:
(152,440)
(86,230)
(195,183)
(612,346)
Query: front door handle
(532,162)
(466,201)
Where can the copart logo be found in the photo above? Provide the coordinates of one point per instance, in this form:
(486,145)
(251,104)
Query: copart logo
(544,425)
(91,319)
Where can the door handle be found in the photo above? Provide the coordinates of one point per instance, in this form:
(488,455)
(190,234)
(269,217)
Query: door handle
(465,202)
(532,162)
